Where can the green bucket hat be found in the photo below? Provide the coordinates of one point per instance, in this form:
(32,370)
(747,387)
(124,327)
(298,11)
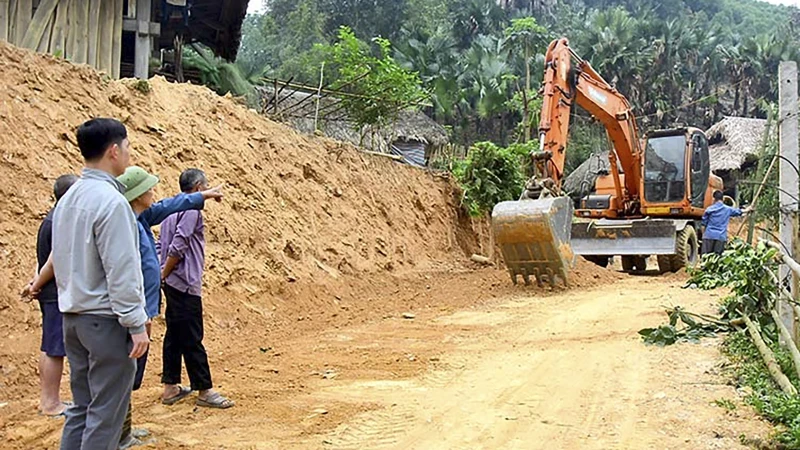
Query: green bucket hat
(137,181)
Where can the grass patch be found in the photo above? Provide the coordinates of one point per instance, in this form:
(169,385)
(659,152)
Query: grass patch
(749,370)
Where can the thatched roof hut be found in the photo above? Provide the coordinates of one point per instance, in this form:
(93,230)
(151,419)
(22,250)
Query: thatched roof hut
(416,126)
(735,142)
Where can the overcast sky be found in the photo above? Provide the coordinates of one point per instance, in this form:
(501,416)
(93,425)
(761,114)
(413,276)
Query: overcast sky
(255,5)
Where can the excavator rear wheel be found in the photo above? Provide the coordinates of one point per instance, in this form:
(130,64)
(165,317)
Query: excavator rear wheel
(686,252)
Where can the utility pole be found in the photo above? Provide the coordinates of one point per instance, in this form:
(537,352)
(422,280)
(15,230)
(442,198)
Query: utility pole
(788,197)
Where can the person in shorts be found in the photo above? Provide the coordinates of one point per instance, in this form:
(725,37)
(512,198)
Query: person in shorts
(51,360)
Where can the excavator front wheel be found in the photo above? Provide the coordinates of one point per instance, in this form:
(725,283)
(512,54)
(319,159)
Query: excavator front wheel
(686,252)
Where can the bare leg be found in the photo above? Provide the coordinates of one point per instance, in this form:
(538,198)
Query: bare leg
(50,370)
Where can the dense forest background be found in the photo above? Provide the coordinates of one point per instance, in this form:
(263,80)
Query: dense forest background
(678,61)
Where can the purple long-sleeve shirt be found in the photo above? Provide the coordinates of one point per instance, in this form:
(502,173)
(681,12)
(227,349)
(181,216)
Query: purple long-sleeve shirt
(182,236)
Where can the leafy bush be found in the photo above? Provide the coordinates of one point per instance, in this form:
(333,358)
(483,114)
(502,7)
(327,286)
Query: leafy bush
(489,175)
(743,268)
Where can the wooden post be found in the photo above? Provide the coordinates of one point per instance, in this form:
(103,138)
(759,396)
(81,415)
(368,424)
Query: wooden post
(105,54)
(5,18)
(57,39)
(788,126)
(316,113)
(12,20)
(177,52)
(24,16)
(94,33)
(116,44)
(82,30)
(141,65)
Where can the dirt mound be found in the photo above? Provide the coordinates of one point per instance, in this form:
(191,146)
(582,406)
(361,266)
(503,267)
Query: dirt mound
(298,210)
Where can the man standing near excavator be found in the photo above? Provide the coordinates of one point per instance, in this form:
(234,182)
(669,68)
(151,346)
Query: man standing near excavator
(715,222)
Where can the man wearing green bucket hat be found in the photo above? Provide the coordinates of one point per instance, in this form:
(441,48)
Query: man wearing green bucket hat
(139,193)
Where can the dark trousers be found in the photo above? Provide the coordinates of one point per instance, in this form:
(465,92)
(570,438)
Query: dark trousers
(101,378)
(713,246)
(184,339)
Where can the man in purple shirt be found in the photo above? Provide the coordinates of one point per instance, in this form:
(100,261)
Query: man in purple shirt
(182,248)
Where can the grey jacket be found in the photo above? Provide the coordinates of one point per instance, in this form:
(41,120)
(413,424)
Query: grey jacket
(96,252)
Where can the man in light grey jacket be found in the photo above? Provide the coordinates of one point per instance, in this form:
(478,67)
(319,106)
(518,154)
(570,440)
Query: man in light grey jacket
(100,292)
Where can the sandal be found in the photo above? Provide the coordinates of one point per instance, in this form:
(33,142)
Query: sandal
(183,391)
(215,400)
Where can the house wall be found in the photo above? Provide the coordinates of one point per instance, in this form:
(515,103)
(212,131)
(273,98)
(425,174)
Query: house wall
(82,31)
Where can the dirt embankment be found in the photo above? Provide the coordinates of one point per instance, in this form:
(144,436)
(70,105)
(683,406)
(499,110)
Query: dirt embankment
(299,212)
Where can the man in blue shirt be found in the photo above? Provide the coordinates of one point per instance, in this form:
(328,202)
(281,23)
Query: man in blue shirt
(715,221)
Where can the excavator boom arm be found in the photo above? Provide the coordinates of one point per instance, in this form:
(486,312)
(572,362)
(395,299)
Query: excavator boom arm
(566,84)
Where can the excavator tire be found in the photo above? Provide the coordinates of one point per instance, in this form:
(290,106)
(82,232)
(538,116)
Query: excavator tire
(686,252)
(600,260)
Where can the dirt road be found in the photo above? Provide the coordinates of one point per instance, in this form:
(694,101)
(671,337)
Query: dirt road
(520,371)
(563,372)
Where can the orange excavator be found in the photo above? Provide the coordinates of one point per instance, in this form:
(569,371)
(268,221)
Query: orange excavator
(650,202)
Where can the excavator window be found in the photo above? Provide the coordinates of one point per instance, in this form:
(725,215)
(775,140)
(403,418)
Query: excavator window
(664,169)
(700,169)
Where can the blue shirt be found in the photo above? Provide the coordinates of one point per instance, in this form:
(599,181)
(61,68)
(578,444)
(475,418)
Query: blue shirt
(151,269)
(716,219)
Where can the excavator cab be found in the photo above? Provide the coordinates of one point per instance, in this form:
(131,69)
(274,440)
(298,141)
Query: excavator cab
(677,185)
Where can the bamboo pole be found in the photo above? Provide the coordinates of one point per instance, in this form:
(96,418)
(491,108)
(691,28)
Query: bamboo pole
(758,193)
(94,32)
(5,16)
(788,342)
(116,47)
(38,24)
(105,52)
(58,38)
(764,141)
(24,15)
(769,358)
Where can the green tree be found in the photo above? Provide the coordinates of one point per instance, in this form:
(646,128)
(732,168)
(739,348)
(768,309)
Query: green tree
(378,87)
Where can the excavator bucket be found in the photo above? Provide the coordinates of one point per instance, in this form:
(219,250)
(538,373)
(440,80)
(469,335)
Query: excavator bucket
(534,236)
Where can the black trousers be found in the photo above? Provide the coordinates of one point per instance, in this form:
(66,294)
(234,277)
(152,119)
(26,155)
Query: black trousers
(184,339)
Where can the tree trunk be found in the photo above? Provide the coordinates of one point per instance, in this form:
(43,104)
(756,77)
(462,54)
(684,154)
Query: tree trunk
(526,119)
